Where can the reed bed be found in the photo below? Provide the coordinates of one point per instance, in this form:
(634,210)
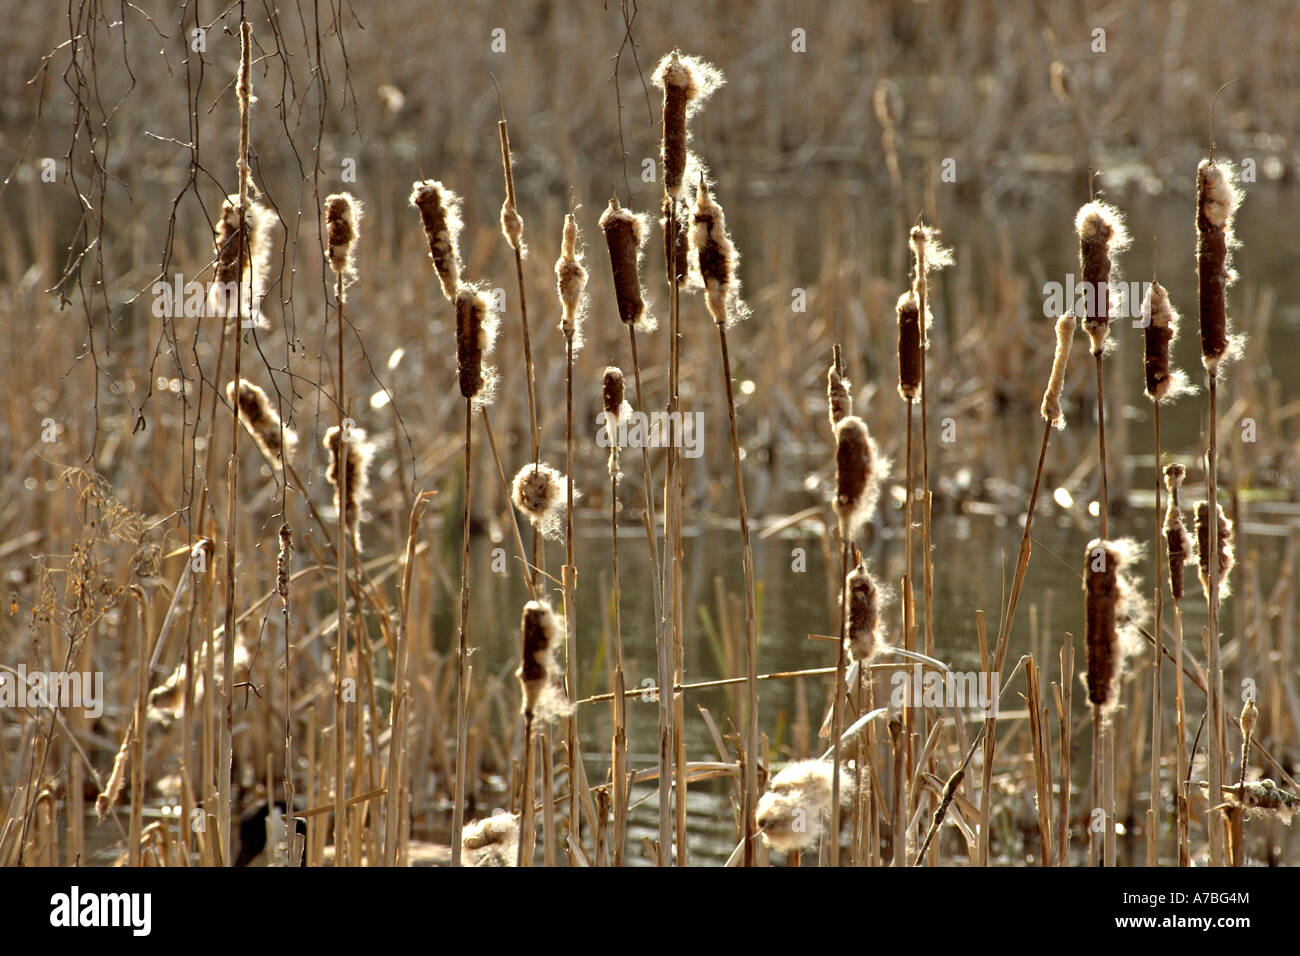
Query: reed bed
(300,686)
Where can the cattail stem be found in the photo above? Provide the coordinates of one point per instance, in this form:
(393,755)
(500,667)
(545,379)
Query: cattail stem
(526,825)
(341,600)
(751,624)
(1098,794)
(1217,738)
(673,529)
(508,168)
(1108,784)
(1180,748)
(837,709)
(1157,667)
(619,700)
(647,488)
(462,695)
(1104,504)
(569,577)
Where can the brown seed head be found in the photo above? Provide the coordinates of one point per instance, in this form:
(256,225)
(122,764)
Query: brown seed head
(1178,541)
(1217,199)
(1113,612)
(1164,383)
(686,83)
(440,216)
(342,229)
(625,237)
(864,624)
(259,418)
(839,391)
(716,260)
(542,633)
(354,452)
(910,355)
(1227,555)
(1102,237)
(858,473)
(476,330)
(541,493)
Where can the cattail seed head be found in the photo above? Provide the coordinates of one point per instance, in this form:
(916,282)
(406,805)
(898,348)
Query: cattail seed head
(796,809)
(1102,237)
(686,83)
(1177,540)
(282,561)
(353,451)
(571,283)
(476,333)
(715,258)
(1267,797)
(1114,612)
(1227,555)
(928,255)
(492,841)
(910,355)
(242,266)
(615,410)
(440,216)
(859,470)
(625,238)
(864,622)
(1051,408)
(839,391)
(261,421)
(539,675)
(1217,199)
(1164,382)
(541,493)
(1249,718)
(342,229)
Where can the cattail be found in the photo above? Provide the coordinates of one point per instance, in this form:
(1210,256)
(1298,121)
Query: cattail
(864,624)
(342,228)
(1102,237)
(571,283)
(686,83)
(492,841)
(539,675)
(1227,556)
(859,470)
(540,492)
(1178,541)
(1051,410)
(715,258)
(677,239)
(1217,199)
(1164,382)
(476,334)
(928,255)
(274,438)
(1266,796)
(616,410)
(440,215)
(283,559)
(1249,718)
(796,809)
(355,452)
(625,238)
(909,347)
(839,392)
(1114,612)
(241,265)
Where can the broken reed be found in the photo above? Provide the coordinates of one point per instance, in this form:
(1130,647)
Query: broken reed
(615,408)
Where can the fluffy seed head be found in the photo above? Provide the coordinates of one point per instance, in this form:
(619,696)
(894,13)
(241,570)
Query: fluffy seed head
(342,229)
(715,258)
(350,450)
(1177,540)
(625,233)
(476,334)
(796,809)
(1164,382)
(910,355)
(261,421)
(1114,613)
(615,409)
(839,391)
(865,627)
(686,83)
(240,269)
(1268,798)
(1102,237)
(541,493)
(440,216)
(1217,199)
(1227,555)
(1051,409)
(859,471)
(571,283)
(542,633)
(492,841)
